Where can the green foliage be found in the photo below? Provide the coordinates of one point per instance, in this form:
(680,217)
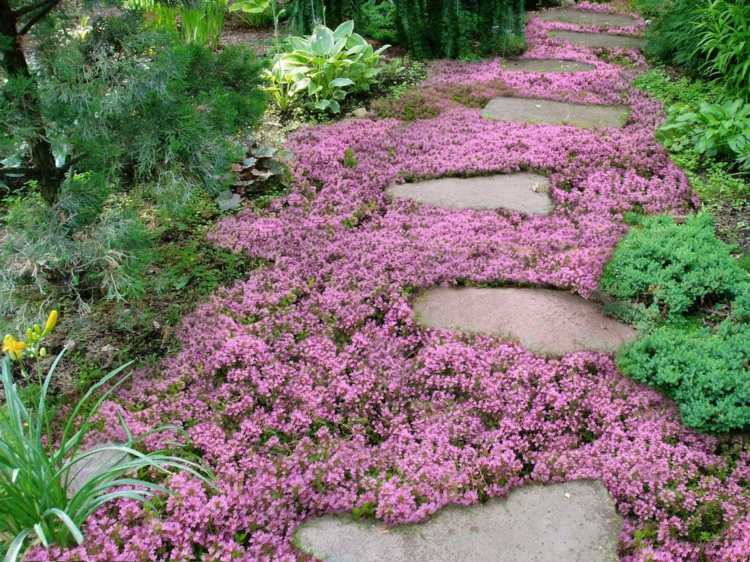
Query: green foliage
(649,9)
(673,268)
(323,68)
(428,28)
(709,37)
(147,128)
(306,15)
(89,243)
(695,343)
(42,497)
(704,370)
(462,28)
(200,22)
(724,41)
(671,37)
(257,13)
(711,178)
(350,158)
(377,19)
(175,112)
(720,131)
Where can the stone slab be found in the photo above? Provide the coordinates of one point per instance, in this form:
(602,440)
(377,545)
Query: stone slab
(570,522)
(587,17)
(605,40)
(544,66)
(544,321)
(92,466)
(547,112)
(523,192)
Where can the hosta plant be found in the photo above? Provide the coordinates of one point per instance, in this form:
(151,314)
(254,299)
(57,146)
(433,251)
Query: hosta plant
(714,130)
(321,69)
(45,497)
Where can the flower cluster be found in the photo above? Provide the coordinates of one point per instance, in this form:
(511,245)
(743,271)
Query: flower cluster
(309,388)
(31,345)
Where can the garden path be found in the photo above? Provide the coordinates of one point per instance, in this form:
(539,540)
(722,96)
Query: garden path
(562,522)
(310,388)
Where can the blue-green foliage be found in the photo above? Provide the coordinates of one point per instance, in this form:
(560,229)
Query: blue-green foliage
(704,370)
(694,304)
(672,268)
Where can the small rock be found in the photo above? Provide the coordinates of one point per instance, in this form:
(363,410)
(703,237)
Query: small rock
(360,113)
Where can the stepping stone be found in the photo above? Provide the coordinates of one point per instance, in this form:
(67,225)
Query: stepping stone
(546,65)
(518,192)
(570,522)
(587,17)
(606,40)
(93,466)
(544,321)
(539,111)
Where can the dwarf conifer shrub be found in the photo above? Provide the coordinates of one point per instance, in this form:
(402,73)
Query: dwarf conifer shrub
(137,121)
(696,347)
(674,268)
(705,370)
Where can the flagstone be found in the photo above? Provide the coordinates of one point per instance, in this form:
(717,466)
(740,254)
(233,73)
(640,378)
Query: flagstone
(601,40)
(546,65)
(587,17)
(524,192)
(568,522)
(540,111)
(545,321)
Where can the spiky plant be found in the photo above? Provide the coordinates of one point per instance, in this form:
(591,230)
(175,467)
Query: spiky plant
(43,497)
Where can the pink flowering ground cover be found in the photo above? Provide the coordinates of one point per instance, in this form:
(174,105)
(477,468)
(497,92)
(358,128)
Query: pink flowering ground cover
(308,388)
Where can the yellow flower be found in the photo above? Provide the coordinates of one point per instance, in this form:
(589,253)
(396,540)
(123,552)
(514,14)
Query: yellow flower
(13,347)
(51,323)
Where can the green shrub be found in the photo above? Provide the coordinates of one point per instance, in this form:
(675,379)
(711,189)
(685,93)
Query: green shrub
(41,499)
(198,22)
(709,37)
(724,41)
(720,131)
(461,28)
(145,127)
(696,345)
(704,370)
(712,179)
(672,36)
(306,15)
(377,19)
(174,110)
(674,269)
(91,243)
(323,68)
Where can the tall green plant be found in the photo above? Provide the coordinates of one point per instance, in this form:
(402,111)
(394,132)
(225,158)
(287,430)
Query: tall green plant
(43,497)
(724,41)
(457,28)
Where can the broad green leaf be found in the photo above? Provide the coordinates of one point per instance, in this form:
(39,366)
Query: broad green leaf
(342,82)
(344,30)
(322,41)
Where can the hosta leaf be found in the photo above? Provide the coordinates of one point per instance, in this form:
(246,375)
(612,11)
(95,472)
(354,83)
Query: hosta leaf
(299,85)
(299,43)
(344,30)
(322,41)
(342,82)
